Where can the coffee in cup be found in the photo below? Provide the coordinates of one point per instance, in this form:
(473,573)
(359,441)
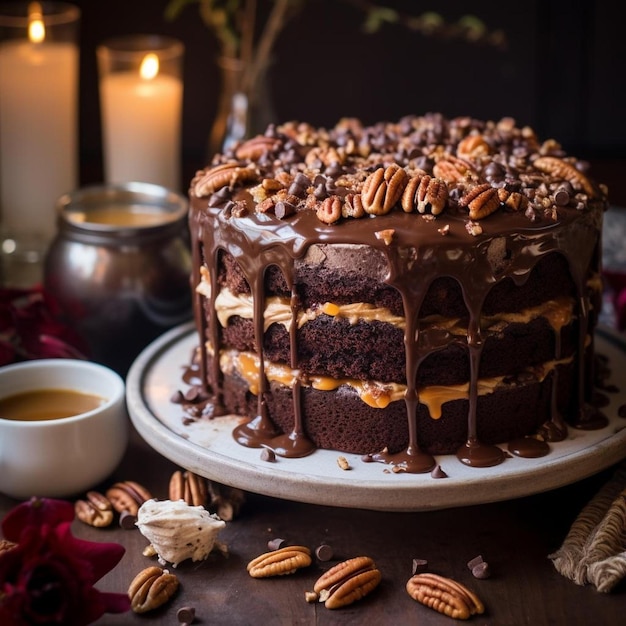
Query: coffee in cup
(47,452)
(48,404)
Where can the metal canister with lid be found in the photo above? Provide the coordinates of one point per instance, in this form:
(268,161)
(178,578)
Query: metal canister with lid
(119,267)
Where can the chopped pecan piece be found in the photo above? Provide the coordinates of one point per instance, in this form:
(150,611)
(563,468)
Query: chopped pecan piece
(343,463)
(265,206)
(189,487)
(271,184)
(151,588)
(426,194)
(444,595)
(383,188)
(256,147)
(558,168)
(513,200)
(224,175)
(95,510)
(473,228)
(347,582)
(385,235)
(280,562)
(481,200)
(127,496)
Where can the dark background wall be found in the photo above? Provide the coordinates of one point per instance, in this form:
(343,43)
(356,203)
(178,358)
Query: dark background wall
(562,72)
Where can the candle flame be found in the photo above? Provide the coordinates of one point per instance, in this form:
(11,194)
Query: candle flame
(149,66)
(36,28)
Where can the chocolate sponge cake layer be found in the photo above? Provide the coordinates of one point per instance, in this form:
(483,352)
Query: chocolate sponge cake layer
(375,351)
(340,420)
(322,282)
(422,287)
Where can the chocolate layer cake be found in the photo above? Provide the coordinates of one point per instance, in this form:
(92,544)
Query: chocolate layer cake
(423,287)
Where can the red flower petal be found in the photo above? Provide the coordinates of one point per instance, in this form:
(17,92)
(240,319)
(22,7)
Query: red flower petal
(48,577)
(102,557)
(30,324)
(36,512)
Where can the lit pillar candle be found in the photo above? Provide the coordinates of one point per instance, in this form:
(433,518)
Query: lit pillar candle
(141,103)
(38,119)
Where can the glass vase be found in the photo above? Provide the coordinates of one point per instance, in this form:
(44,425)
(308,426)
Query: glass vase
(243,111)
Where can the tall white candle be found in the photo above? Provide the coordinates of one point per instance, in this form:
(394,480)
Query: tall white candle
(141,116)
(38,132)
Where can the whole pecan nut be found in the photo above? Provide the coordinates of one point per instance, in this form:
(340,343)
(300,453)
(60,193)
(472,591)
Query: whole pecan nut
(453,169)
(151,588)
(472,147)
(347,582)
(329,211)
(353,206)
(426,194)
(224,175)
(127,496)
(481,201)
(189,487)
(280,562)
(95,510)
(256,147)
(558,168)
(383,188)
(444,595)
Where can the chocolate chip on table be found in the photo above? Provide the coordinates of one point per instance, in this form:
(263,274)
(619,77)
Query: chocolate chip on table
(324,552)
(419,565)
(276,544)
(472,563)
(186,614)
(127,520)
(479,567)
(481,570)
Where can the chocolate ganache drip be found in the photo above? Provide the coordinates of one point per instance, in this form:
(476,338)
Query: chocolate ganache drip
(480,203)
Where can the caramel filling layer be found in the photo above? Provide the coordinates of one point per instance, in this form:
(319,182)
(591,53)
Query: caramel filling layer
(375,394)
(278,311)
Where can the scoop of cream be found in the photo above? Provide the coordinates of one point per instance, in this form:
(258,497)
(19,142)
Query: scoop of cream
(179,531)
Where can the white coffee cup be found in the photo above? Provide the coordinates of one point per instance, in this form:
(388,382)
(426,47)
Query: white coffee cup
(58,458)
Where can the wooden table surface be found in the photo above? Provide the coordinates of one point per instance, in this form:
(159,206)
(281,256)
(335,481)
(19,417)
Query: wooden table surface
(514,537)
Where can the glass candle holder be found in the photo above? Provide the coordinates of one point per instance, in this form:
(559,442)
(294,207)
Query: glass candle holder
(141,92)
(39,59)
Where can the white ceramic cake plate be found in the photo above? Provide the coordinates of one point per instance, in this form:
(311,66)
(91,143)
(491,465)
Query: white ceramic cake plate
(207,447)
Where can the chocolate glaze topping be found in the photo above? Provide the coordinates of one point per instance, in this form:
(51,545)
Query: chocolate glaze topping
(477,201)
